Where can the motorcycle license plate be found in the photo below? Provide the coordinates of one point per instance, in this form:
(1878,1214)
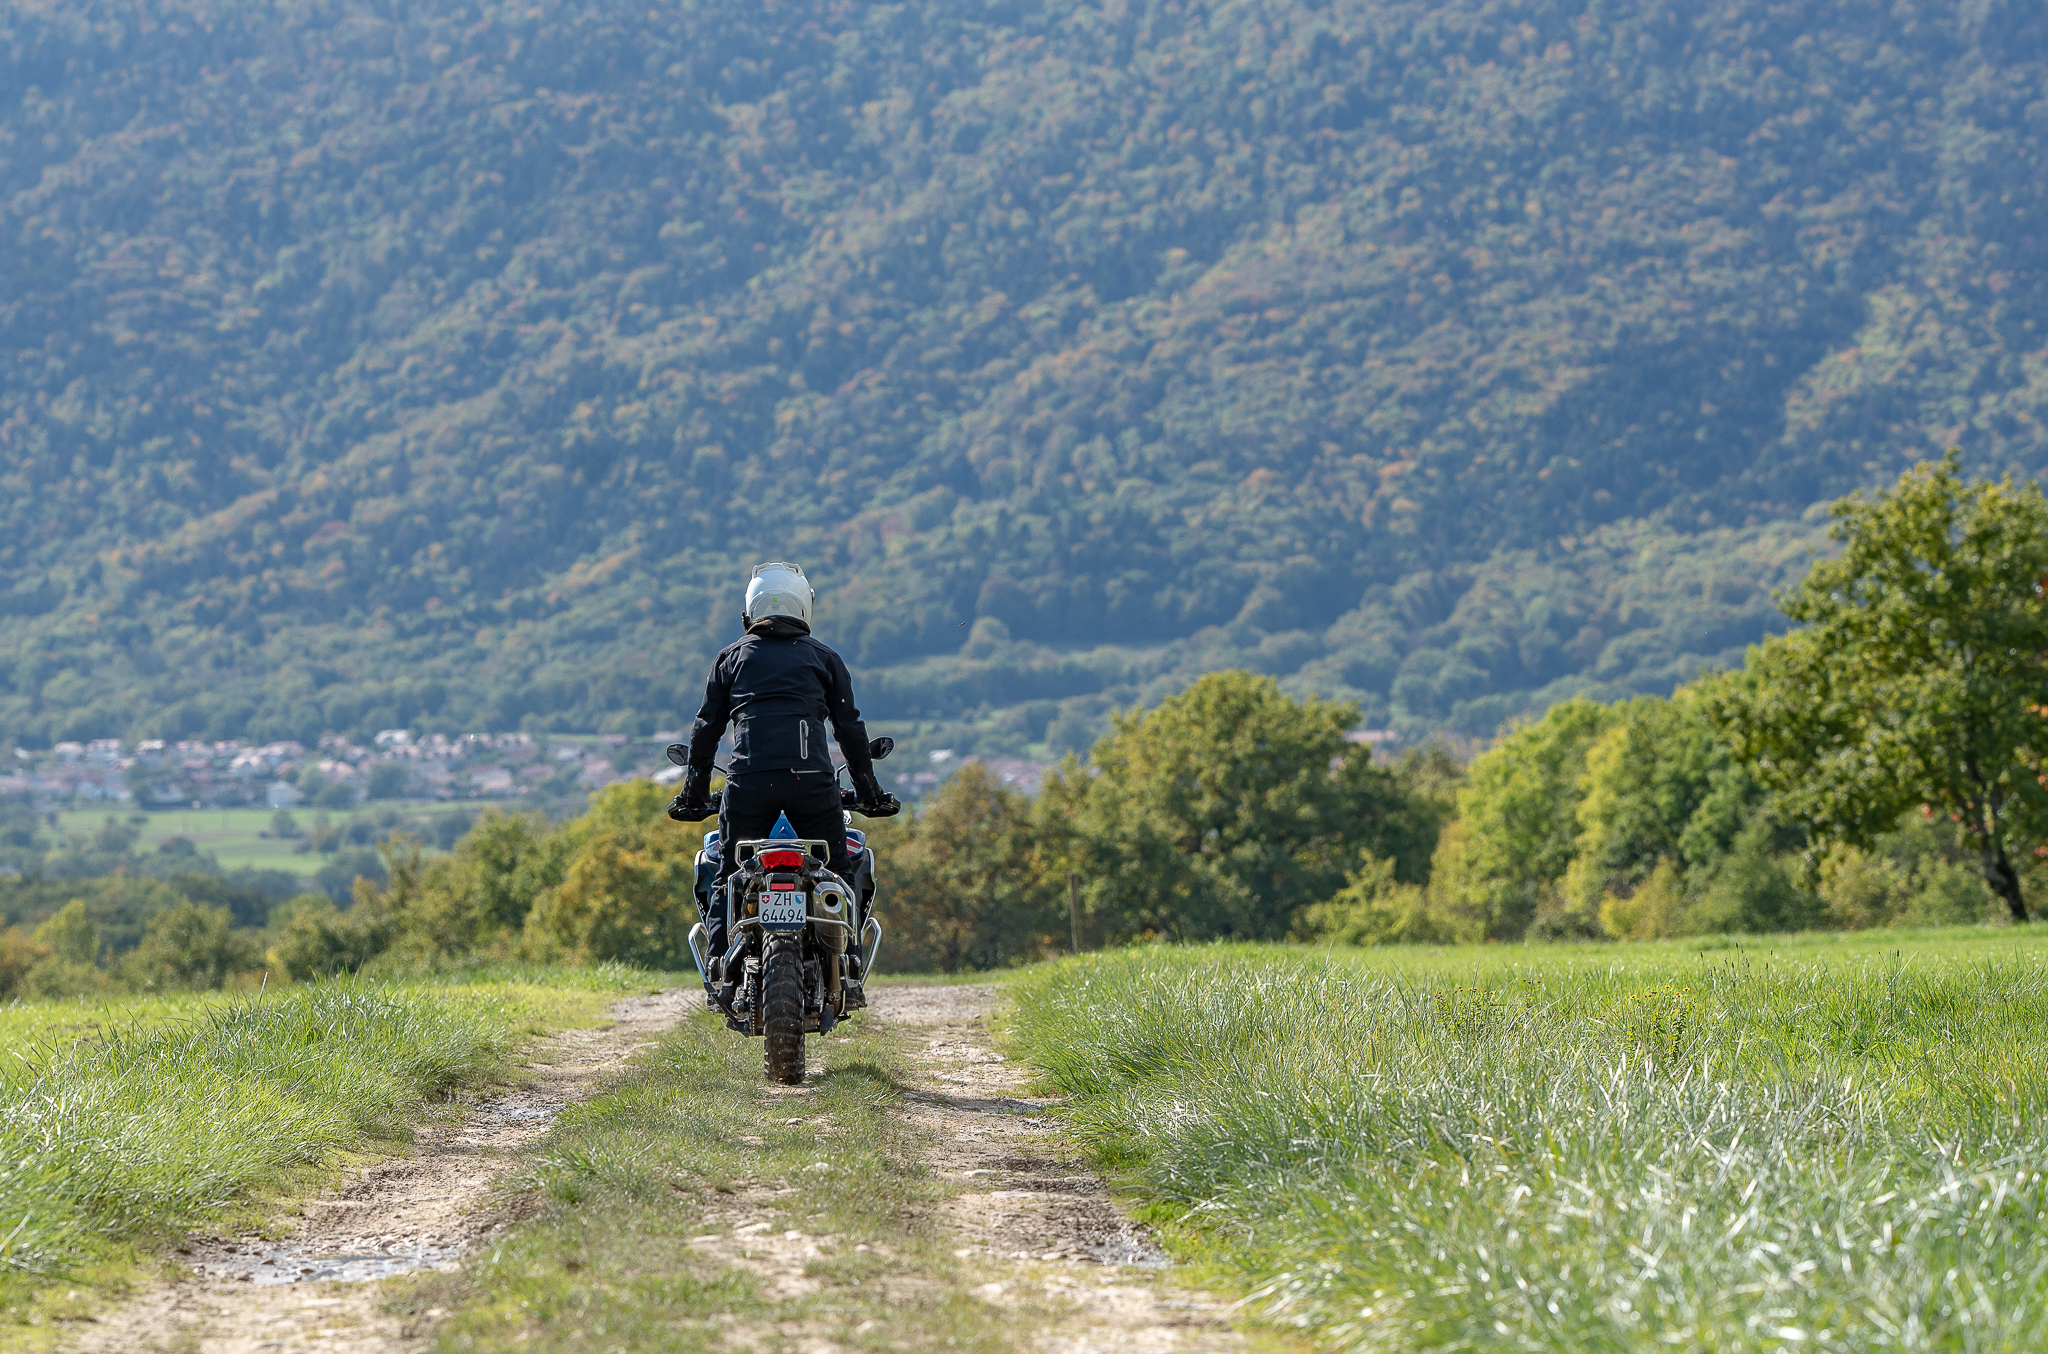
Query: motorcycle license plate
(784,908)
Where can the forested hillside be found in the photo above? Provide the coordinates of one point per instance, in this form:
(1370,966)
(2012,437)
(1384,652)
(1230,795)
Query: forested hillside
(447,364)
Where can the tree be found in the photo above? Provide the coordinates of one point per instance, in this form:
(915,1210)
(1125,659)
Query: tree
(21,847)
(1500,866)
(388,780)
(20,952)
(625,888)
(71,935)
(1223,812)
(1921,673)
(961,886)
(318,941)
(70,943)
(190,947)
(1660,785)
(1373,908)
(478,897)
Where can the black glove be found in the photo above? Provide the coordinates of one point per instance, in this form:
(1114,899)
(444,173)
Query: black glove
(871,800)
(692,805)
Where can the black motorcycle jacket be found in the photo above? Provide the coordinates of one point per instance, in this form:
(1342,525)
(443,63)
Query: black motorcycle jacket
(777,688)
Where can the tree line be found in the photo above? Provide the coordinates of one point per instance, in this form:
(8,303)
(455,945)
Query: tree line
(1880,765)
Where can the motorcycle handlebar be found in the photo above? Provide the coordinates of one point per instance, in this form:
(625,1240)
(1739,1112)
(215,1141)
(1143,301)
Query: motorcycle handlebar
(695,813)
(887,807)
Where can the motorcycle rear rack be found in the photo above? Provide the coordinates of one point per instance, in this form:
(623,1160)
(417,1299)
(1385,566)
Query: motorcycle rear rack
(743,852)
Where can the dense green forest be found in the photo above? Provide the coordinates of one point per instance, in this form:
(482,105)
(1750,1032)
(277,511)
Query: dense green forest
(445,365)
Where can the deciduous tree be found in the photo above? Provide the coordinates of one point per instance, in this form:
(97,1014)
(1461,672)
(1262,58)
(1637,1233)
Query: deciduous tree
(1225,811)
(1501,865)
(1920,675)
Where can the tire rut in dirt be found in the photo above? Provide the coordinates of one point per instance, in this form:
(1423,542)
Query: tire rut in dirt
(782,1009)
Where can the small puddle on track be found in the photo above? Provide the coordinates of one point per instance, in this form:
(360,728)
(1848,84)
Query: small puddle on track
(366,1257)
(284,1264)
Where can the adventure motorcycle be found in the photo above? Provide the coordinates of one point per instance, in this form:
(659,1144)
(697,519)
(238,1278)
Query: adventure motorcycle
(800,941)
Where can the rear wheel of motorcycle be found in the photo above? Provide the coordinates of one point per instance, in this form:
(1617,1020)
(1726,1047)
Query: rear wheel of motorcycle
(782,1010)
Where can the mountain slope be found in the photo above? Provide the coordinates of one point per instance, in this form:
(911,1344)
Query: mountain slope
(451,369)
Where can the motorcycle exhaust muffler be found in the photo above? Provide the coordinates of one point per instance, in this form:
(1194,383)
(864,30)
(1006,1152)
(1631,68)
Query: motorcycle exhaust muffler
(830,906)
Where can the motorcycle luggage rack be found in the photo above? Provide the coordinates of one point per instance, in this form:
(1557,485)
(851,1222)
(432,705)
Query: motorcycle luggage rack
(744,852)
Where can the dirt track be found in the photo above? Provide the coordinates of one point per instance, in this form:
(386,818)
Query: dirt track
(1034,1221)
(307,1291)
(1033,1213)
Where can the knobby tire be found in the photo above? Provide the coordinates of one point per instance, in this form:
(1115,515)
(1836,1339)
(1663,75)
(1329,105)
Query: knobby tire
(782,1006)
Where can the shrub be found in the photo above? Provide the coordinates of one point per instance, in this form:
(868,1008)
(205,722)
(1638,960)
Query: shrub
(1374,908)
(55,979)
(1753,889)
(190,947)
(20,952)
(1654,910)
(319,940)
(1918,875)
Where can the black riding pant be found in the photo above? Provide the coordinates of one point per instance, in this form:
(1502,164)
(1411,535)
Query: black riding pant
(810,798)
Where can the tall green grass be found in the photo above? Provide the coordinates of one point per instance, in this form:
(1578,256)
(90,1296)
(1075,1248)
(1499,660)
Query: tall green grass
(121,1125)
(1807,1146)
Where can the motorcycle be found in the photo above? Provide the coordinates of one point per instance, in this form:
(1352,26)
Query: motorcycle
(799,941)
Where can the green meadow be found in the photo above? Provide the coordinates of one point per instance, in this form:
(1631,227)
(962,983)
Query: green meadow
(1823,1141)
(1813,1142)
(124,1124)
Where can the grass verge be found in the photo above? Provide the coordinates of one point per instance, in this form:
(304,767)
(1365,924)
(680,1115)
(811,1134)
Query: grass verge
(812,1208)
(1815,1144)
(124,1125)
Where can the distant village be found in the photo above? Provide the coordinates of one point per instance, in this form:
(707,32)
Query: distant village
(338,773)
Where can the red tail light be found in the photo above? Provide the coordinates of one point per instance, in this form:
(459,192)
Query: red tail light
(782,860)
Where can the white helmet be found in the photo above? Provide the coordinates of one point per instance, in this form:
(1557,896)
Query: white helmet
(778,590)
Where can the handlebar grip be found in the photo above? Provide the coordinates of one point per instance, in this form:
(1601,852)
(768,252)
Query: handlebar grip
(885,807)
(695,813)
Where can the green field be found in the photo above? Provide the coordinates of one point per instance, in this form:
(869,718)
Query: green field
(1819,1142)
(124,1124)
(240,838)
(1825,1141)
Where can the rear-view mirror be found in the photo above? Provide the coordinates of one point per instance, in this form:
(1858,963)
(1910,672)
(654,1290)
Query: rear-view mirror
(679,753)
(881,748)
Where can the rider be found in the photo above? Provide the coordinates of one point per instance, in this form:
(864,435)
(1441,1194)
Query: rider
(777,686)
